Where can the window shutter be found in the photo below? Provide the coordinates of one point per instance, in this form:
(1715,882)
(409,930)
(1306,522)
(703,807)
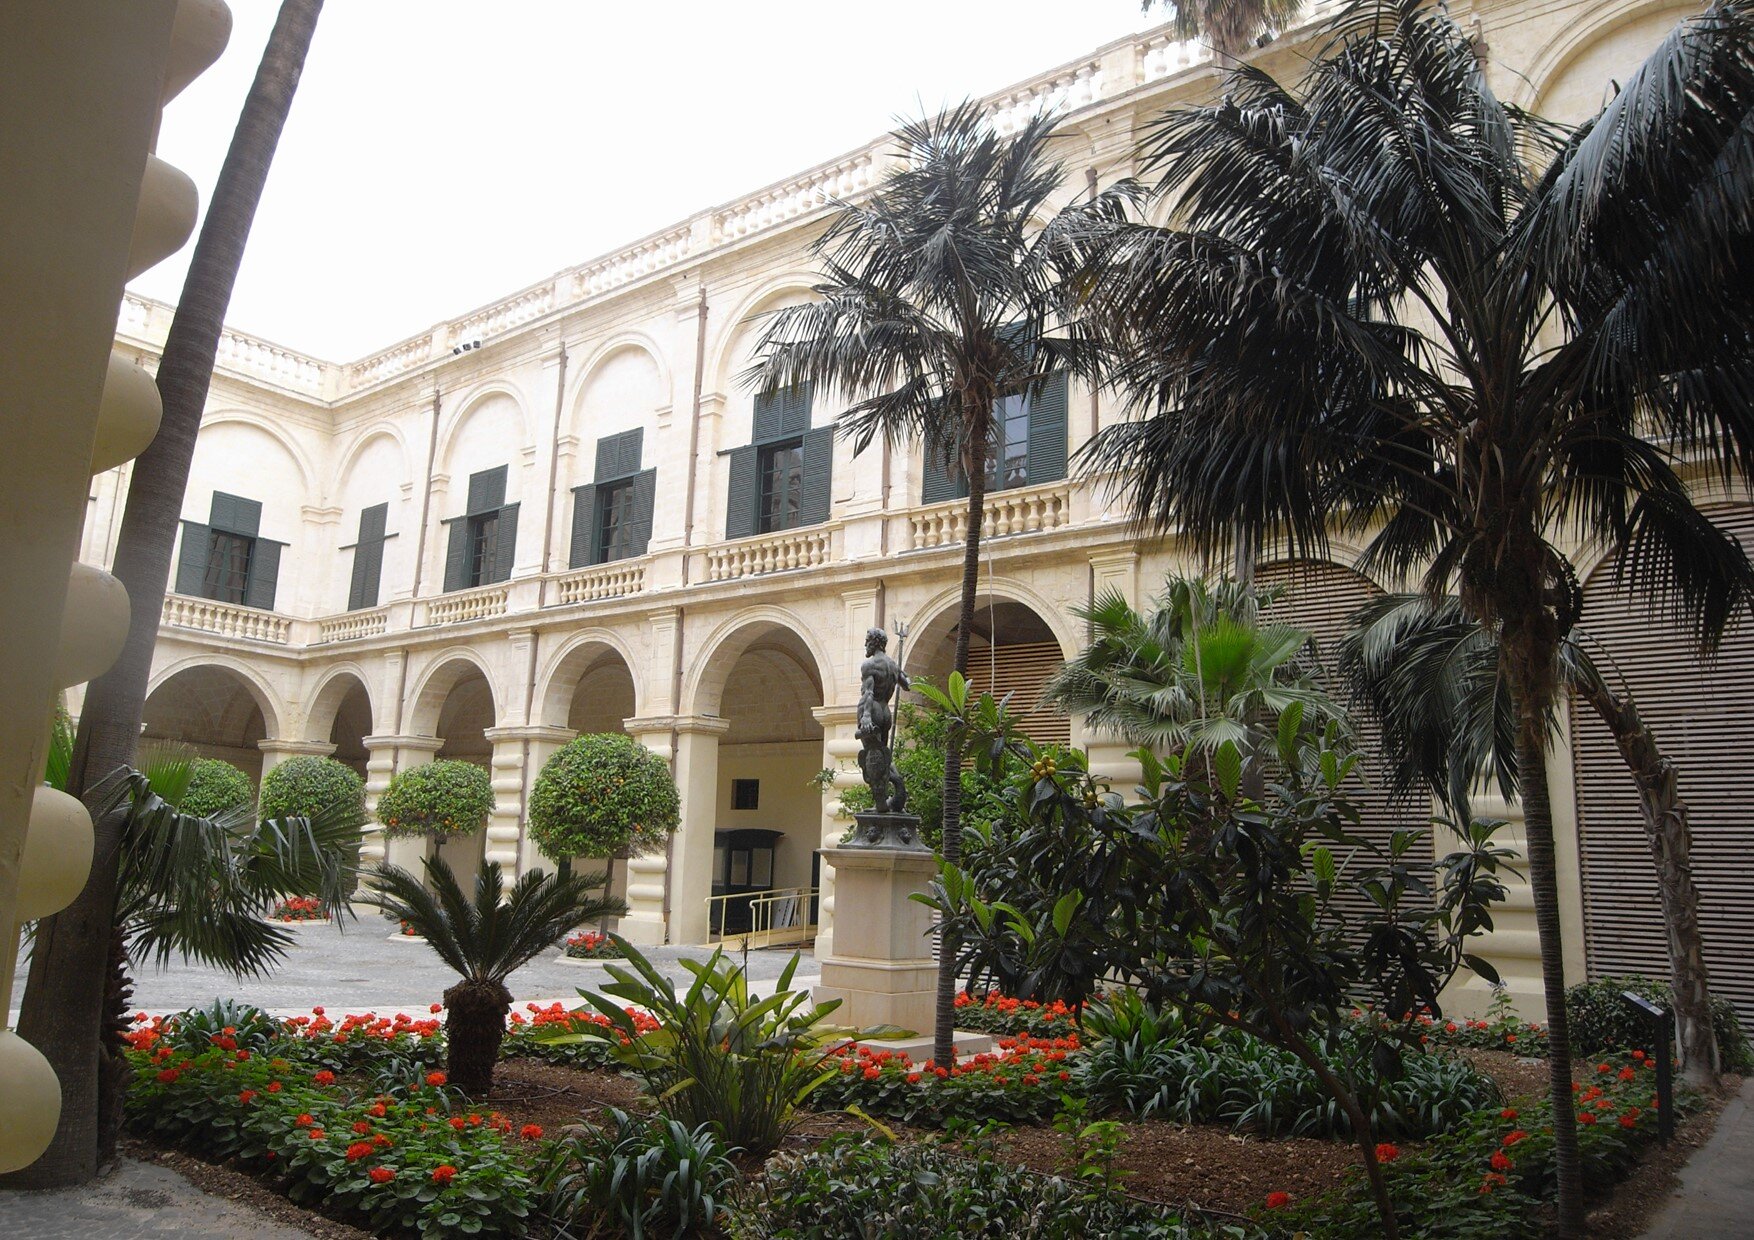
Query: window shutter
(639,534)
(794,405)
(264,575)
(486,491)
(618,455)
(368,568)
(769,417)
(816,498)
(741,494)
(631,442)
(235,514)
(192,562)
(584,526)
(1047,431)
(373,521)
(505,548)
(936,483)
(457,555)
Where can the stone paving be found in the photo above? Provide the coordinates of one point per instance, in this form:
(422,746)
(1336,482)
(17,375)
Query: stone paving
(362,968)
(1716,1197)
(137,1200)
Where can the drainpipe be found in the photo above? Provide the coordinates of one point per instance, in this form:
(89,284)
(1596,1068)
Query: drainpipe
(553,478)
(693,454)
(426,496)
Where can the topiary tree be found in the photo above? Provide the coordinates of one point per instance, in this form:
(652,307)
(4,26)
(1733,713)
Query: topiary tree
(214,787)
(307,784)
(603,795)
(438,799)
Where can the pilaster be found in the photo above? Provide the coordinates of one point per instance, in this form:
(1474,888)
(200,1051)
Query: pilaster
(688,868)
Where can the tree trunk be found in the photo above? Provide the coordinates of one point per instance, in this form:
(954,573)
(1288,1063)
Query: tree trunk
(118,990)
(475,1016)
(977,416)
(63,1008)
(1362,1135)
(1530,667)
(1671,844)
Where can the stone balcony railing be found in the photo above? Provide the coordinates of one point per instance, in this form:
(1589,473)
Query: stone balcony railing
(352,625)
(1029,510)
(771,553)
(479,604)
(588,585)
(226,619)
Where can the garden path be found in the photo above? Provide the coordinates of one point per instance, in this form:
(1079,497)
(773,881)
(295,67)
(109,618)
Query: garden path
(1716,1197)
(136,1202)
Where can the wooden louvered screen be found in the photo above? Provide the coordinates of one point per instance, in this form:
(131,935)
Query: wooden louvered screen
(1021,670)
(1699,714)
(1320,598)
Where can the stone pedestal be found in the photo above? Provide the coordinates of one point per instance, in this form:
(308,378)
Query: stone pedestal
(881,965)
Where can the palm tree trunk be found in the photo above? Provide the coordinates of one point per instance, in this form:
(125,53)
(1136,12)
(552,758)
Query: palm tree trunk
(475,1016)
(1530,667)
(63,1009)
(1670,837)
(977,416)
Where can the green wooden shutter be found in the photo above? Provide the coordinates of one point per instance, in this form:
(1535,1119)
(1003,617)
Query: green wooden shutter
(457,555)
(743,493)
(368,557)
(769,417)
(584,526)
(794,405)
(264,575)
(631,444)
(235,514)
(639,534)
(608,458)
(937,483)
(816,498)
(1047,432)
(505,547)
(373,521)
(192,561)
(486,491)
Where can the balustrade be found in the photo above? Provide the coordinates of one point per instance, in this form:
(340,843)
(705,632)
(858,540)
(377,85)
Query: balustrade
(770,553)
(503,315)
(390,362)
(587,585)
(640,259)
(796,197)
(352,625)
(226,619)
(1029,511)
(482,604)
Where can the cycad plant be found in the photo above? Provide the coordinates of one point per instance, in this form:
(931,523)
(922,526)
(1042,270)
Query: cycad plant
(1389,304)
(486,939)
(1431,675)
(937,301)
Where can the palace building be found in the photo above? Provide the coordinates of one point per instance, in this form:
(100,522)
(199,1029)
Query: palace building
(562,513)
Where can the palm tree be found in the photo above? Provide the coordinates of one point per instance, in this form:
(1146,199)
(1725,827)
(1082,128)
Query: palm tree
(1375,313)
(1431,675)
(485,941)
(936,302)
(62,1011)
(1230,26)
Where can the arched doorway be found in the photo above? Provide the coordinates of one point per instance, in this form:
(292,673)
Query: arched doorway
(455,706)
(342,715)
(213,710)
(1012,651)
(1698,711)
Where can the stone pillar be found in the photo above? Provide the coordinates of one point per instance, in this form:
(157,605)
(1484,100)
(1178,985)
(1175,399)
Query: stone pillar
(840,754)
(688,868)
(1513,945)
(276,750)
(380,765)
(648,877)
(1109,755)
(406,751)
(506,769)
(534,745)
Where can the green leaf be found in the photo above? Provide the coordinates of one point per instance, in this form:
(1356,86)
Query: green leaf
(1227,766)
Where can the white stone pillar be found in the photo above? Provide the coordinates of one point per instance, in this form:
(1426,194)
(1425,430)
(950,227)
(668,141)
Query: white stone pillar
(534,746)
(408,751)
(506,769)
(276,750)
(840,754)
(380,765)
(691,852)
(648,876)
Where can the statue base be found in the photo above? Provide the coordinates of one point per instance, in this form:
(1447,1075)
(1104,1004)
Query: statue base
(881,966)
(897,831)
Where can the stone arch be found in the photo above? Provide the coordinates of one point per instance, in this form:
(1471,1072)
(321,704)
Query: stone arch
(214,707)
(604,352)
(937,616)
(373,433)
(1589,31)
(332,688)
(442,673)
(704,686)
(240,417)
(273,710)
(581,657)
(719,376)
(466,406)
(342,714)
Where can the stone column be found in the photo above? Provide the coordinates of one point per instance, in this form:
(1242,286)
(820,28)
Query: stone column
(404,752)
(688,868)
(276,750)
(648,877)
(840,754)
(1110,756)
(533,745)
(380,765)
(506,769)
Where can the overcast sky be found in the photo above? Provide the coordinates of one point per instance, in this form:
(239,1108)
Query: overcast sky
(442,153)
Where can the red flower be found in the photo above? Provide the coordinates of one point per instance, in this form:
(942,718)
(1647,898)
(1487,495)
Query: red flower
(362,1128)
(1512,1137)
(381,1175)
(444,1174)
(168,1075)
(1630,1119)
(436,1078)
(246,1096)
(273,1087)
(1604,1067)
(1627,1074)
(1586,1117)
(475,1120)
(378,1110)
(873,1072)
(358,1150)
(1387,1153)
(325,1077)
(1638,1055)
(304,1121)
(436,1008)
(315,1134)
(1278,1200)
(1507,1113)
(316,1011)
(1500,1162)
(531,1132)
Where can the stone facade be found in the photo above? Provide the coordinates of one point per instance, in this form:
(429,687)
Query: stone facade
(736,658)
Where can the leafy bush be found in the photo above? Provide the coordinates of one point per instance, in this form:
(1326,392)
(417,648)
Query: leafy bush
(1603,1021)
(1019,1083)
(924,1192)
(647,1176)
(244,1025)
(601,795)
(718,1054)
(300,908)
(215,786)
(441,798)
(305,785)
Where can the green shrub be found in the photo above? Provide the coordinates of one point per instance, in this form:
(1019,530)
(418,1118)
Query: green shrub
(646,1176)
(924,1192)
(441,798)
(600,796)
(1603,1021)
(215,786)
(307,784)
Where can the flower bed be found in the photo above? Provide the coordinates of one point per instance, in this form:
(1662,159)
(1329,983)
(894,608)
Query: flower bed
(300,909)
(589,945)
(1020,1083)
(1003,1016)
(526,1035)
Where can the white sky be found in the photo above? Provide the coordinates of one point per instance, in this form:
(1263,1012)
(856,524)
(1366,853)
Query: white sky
(442,153)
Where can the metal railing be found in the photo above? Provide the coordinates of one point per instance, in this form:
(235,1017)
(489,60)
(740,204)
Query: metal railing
(781,917)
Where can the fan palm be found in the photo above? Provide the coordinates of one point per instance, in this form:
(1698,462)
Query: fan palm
(1392,305)
(1230,26)
(485,940)
(1431,675)
(936,302)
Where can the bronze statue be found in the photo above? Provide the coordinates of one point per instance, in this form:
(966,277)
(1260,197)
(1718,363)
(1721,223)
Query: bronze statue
(880,677)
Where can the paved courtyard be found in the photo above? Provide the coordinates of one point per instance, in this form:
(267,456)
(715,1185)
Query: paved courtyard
(136,1201)
(362,968)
